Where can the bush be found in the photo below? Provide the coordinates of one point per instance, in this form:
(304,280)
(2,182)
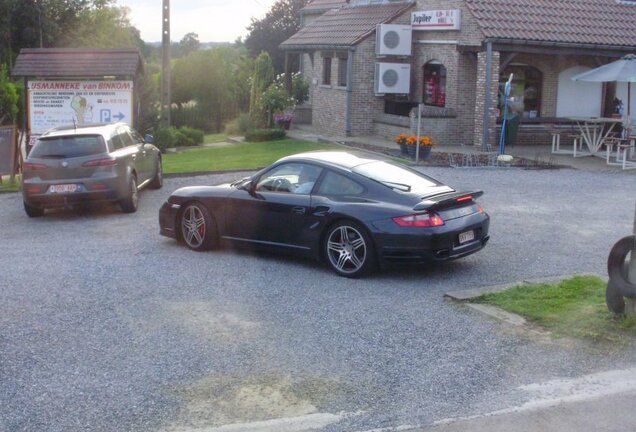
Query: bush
(260,135)
(240,125)
(172,137)
(165,138)
(182,140)
(196,135)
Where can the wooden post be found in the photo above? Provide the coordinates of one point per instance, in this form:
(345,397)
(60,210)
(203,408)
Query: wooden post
(630,304)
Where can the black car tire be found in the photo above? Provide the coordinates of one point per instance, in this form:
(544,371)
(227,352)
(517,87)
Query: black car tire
(616,266)
(197,228)
(33,211)
(157,181)
(130,203)
(614,299)
(348,249)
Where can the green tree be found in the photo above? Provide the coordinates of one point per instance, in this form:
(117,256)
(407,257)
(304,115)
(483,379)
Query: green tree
(107,27)
(278,25)
(209,80)
(9,98)
(189,44)
(262,78)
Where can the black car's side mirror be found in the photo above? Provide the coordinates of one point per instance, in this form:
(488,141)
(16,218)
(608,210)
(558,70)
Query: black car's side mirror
(149,139)
(246,185)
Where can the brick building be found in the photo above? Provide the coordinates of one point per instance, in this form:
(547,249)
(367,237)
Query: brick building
(370,62)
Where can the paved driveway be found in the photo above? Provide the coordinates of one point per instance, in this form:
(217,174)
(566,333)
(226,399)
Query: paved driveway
(107,326)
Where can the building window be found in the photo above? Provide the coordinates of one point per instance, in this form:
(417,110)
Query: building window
(525,93)
(342,71)
(326,70)
(434,84)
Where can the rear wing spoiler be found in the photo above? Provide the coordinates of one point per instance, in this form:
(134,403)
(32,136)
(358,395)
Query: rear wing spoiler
(447,200)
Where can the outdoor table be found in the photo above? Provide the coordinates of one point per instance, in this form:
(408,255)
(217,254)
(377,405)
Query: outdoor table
(593,131)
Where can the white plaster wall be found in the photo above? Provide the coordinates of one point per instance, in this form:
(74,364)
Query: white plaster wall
(578,98)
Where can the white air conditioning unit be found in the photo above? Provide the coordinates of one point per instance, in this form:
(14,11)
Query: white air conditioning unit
(393,39)
(394,78)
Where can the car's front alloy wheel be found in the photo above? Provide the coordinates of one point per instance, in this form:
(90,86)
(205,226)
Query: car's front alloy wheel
(349,250)
(198,229)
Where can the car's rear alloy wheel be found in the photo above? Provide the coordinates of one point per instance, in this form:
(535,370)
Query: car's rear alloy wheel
(349,249)
(198,229)
(130,203)
(157,181)
(33,211)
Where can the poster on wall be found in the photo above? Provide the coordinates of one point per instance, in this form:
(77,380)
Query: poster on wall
(59,103)
(7,150)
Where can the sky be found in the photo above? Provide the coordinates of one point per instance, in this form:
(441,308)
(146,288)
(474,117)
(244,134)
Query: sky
(212,20)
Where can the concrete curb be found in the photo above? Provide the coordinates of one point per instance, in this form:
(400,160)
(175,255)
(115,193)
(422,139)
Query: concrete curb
(469,294)
(510,318)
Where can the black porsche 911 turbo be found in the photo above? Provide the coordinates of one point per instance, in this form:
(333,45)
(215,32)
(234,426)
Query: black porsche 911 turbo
(352,210)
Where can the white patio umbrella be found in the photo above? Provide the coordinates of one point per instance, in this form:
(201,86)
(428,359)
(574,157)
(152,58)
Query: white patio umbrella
(623,70)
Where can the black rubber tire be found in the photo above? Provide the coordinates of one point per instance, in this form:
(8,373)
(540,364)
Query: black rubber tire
(130,203)
(197,228)
(157,180)
(614,299)
(616,266)
(343,256)
(33,211)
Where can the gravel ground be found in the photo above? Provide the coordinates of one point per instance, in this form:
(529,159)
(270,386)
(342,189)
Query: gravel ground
(107,326)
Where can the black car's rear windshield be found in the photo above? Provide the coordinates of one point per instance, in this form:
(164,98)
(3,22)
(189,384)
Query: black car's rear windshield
(395,177)
(68,147)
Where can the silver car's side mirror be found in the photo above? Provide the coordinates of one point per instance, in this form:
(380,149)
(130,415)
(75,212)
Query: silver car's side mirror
(149,139)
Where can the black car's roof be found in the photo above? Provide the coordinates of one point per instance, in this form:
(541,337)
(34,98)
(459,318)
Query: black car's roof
(343,159)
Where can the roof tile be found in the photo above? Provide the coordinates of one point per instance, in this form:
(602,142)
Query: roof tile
(346,26)
(70,62)
(602,22)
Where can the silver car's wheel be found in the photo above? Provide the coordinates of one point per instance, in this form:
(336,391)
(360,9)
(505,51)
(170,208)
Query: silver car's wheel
(157,181)
(349,250)
(130,203)
(198,229)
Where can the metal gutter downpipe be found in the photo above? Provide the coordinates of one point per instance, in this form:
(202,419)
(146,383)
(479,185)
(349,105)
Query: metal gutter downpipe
(349,92)
(488,101)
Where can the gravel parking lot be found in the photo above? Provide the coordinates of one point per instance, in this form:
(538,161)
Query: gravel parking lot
(107,326)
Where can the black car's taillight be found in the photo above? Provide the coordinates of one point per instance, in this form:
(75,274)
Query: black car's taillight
(420,220)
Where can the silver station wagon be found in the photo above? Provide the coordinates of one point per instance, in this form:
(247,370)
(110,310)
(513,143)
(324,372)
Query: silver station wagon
(73,165)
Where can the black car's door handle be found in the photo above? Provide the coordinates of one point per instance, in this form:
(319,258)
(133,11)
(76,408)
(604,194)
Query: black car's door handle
(322,210)
(298,210)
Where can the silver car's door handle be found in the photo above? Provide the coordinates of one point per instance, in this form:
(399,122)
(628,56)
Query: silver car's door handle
(298,210)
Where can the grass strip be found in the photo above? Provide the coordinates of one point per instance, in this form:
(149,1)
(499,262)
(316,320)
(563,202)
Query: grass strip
(246,156)
(572,308)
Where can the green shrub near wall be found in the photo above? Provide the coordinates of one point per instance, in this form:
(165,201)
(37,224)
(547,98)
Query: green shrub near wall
(196,135)
(260,135)
(172,137)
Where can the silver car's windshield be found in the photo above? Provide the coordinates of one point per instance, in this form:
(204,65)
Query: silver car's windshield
(68,147)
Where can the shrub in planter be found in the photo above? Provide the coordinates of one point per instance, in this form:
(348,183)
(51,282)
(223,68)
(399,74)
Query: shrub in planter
(195,135)
(260,135)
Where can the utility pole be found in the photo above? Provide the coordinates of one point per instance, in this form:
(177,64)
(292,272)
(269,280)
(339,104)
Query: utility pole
(166,98)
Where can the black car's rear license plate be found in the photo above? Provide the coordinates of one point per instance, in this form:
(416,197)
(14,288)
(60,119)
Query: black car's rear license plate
(466,236)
